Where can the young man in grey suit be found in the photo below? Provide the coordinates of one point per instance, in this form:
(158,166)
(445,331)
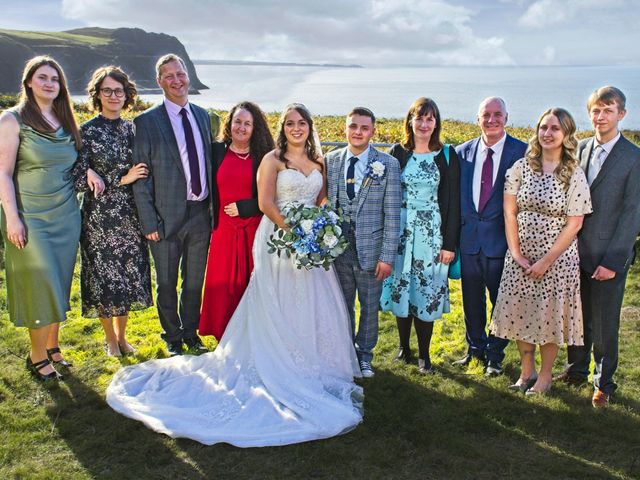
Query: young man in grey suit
(606,241)
(174,140)
(365,183)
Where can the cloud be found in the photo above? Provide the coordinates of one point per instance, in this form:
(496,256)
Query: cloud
(371,32)
(543,13)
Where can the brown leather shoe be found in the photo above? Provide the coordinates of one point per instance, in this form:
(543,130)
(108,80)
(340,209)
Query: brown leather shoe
(565,377)
(600,399)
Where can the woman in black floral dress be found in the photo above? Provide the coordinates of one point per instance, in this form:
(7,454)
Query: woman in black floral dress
(115,274)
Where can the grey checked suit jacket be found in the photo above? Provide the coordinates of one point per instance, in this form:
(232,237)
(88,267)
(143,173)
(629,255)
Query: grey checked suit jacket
(161,198)
(378,211)
(609,233)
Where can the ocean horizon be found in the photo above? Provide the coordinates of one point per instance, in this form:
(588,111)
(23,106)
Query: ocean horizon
(389,91)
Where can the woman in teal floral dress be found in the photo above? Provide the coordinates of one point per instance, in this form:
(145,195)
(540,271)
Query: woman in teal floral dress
(418,290)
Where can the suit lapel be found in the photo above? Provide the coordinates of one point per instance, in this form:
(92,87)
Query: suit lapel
(204,133)
(336,177)
(166,132)
(609,162)
(585,155)
(473,149)
(502,167)
(366,181)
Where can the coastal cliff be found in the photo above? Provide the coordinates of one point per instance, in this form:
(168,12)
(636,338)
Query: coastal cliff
(82,50)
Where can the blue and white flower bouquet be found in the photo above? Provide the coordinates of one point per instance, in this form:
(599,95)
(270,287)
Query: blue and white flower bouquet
(314,238)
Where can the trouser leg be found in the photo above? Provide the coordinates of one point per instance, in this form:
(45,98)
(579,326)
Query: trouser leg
(369,290)
(166,256)
(474,304)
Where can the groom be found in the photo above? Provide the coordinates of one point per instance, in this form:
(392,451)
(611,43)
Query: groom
(365,183)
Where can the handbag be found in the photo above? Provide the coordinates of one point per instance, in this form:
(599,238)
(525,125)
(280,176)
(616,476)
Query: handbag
(454,267)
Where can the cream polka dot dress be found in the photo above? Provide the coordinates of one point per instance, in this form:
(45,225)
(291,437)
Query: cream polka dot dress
(547,310)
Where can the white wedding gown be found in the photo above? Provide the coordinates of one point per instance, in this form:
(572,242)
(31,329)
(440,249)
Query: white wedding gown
(283,371)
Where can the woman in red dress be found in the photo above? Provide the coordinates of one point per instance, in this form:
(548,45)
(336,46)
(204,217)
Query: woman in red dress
(245,140)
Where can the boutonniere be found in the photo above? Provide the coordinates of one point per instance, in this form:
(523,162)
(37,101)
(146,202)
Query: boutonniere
(375,171)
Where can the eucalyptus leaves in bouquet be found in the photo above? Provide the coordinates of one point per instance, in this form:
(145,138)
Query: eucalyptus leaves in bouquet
(314,237)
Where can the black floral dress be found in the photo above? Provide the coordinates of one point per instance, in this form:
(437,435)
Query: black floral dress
(115,273)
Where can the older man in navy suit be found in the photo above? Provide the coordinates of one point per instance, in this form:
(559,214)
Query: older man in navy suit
(483,164)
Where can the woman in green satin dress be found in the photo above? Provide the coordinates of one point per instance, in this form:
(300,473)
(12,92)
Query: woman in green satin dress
(40,219)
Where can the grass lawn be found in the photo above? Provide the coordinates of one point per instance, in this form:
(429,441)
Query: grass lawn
(456,424)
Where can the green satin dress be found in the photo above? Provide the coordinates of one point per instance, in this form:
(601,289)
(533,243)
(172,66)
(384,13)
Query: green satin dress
(39,276)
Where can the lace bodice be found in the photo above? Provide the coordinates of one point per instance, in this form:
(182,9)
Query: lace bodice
(293,186)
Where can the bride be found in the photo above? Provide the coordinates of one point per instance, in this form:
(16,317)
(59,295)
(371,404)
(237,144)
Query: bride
(283,371)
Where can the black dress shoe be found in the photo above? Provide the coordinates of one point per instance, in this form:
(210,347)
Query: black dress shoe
(195,343)
(464,361)
(403,355)
(62,362)
(494,368)
(425,367)
(35,368)
(174,348)
(566,377)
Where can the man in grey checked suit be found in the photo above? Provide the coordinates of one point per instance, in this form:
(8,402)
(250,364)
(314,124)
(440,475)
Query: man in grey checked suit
(174,140)
(606,241)
(365,183)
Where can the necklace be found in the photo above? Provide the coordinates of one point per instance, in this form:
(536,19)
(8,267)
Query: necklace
(241,156)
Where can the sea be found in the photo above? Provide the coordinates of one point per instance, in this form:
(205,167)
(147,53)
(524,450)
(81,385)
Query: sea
(389,91)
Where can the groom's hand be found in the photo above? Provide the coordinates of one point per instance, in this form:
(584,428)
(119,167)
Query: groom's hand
(383,270)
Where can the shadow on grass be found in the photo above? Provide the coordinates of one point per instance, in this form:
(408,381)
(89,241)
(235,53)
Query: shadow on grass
(107,444)
(449,425)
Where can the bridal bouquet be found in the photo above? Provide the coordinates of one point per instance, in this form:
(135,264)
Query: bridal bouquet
(314,238)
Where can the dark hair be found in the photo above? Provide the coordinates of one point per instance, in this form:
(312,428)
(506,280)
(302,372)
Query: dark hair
(419,108)
(607,96)
(115,73)
(310,144)
(365,112)
(261,141)
(169,57)
(29,109)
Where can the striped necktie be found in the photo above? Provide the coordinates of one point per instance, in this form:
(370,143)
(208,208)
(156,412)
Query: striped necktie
(595,165)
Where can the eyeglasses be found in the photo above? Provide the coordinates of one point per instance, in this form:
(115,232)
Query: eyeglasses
(107,92)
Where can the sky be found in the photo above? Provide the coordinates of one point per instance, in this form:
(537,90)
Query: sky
(365,32)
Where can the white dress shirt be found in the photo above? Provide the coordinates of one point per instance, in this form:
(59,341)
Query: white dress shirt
(481,154)
(360,167)
(176,123)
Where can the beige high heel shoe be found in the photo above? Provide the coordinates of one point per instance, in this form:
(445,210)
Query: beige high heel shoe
(523,384)
(112,351)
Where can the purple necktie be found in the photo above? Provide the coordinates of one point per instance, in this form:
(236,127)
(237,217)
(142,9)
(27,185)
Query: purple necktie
(194,166)
(486,183)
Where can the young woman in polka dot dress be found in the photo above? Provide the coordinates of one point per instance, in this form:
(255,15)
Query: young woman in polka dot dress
(545,198)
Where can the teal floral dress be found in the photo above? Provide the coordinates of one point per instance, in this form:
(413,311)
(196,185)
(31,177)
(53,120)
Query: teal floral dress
(418,286)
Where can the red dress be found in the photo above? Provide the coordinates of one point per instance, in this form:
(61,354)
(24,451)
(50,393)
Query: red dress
(230,261)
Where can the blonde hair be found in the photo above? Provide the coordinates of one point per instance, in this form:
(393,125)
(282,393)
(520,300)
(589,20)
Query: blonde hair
(607,96)
(568,160)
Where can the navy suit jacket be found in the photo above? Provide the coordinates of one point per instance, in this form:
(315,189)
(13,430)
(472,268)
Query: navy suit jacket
(484,231)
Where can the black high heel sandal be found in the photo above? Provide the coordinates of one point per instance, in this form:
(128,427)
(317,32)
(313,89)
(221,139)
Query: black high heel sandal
(35,368)
(63,363)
